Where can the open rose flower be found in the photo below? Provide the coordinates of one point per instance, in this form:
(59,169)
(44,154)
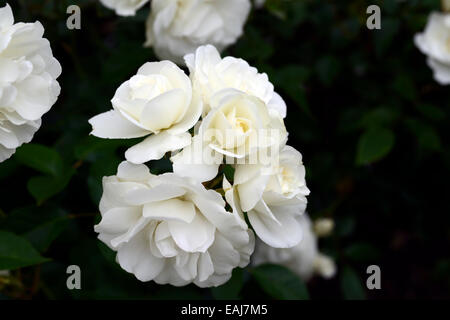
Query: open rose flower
(210,74)
(177,27)
(239,126)
(171,229)
(158,102)
(303,259)
(28,86)
(273,197)
(435,43)
(124,7)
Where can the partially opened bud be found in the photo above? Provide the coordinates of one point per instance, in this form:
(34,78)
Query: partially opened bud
(323,227)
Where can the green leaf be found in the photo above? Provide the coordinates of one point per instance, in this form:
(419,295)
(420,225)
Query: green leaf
(362,252)
(231,289)
(351,286)
(381,116)
(40,158)
(40,225)
(427,136)
(280,283)
(373,145)
(17,252)
(431,112)
(92,147)
(45,187)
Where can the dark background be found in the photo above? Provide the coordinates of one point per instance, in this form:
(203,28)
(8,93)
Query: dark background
(363,109)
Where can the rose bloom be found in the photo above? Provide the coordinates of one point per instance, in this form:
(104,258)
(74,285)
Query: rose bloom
(171,229)
(210,73)
(238,126)
(435,43)
(124,7)
(158,103)
(274,197)
(177,27)
(28,86)
(303,259)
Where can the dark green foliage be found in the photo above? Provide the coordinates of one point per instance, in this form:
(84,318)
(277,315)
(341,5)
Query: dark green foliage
(363,109)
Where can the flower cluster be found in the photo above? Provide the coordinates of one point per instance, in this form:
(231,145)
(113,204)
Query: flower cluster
(177,27)
(28,86)
(222,129)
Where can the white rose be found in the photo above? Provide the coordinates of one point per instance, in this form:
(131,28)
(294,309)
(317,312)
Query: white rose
(210,73)
(157,101)
(124,7)
(303,259)
(274,197)
(171,229)
(239,126)
(435,43)
(28,86)
(177,27)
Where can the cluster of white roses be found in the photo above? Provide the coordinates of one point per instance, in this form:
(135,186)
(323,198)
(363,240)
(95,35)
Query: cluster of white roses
(190,225)
(435,43)
(177,27)
(28,86)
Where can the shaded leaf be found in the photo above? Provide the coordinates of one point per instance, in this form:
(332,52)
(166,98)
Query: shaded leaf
(351,285)
(45,187)
(362,252)
(40,158)
(373,145)
(280,283)
(17,252)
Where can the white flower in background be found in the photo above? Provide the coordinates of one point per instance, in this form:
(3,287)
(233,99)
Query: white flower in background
(158,101)
(446,5)
(4,273)
(239,126)
(28,86)
(274,197)
(210,74)
(177,27)
(259,3)
(304,259)
(124,7)
(435,43)
(171,229)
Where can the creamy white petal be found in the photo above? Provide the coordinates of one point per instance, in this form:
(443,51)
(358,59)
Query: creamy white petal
(196,236)
(134,258)
(155,146)
(112,125)
(285,234)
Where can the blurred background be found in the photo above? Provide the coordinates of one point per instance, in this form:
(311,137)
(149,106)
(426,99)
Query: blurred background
(363,109)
